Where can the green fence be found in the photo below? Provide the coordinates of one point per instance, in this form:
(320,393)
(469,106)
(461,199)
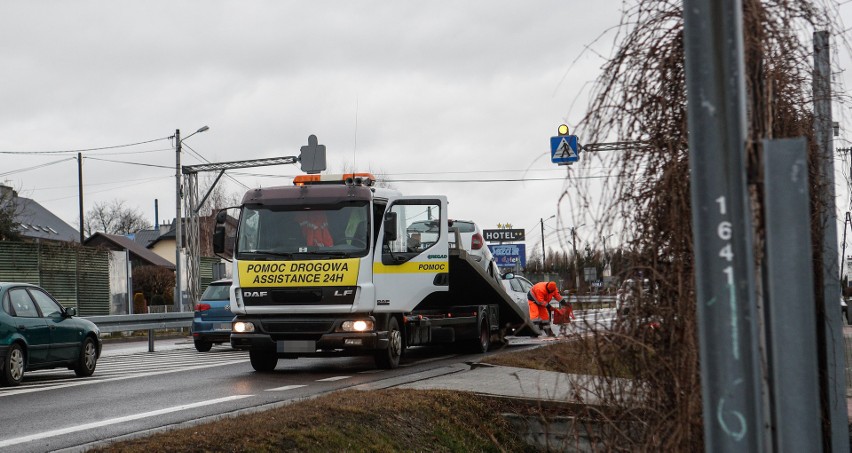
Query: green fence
(76,276)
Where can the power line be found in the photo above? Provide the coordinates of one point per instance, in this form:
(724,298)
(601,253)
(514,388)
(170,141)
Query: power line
(123,181)
(21,170)
(79,150)
(107,189)
(130,163)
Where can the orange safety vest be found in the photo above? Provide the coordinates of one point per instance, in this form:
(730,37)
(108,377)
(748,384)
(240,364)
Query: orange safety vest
(539,294)
(315,228)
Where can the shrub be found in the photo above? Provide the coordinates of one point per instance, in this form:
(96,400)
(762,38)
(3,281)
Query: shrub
(140,305)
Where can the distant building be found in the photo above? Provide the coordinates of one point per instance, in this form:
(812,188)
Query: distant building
(164,243)
(139,255)
(145,237)
(35,223)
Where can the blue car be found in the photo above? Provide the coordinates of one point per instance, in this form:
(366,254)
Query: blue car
(37,333)
(212,322)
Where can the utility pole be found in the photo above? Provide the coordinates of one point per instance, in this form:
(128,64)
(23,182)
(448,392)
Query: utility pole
(178,225)
(576,260)
(542,244)
(80,191)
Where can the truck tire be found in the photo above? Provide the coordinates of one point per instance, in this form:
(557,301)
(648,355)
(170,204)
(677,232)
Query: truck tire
(388,359)
(483,343)
(263,361)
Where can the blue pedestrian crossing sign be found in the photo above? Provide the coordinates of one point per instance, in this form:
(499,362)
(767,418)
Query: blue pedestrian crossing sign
(564,149)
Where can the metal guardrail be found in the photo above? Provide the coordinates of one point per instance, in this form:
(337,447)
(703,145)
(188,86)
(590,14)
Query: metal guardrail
(149,322)
(602,299)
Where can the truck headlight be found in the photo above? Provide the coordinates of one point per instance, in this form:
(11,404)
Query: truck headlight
(358,325)
(243,327)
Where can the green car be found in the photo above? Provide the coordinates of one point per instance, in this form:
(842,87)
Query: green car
(37,333)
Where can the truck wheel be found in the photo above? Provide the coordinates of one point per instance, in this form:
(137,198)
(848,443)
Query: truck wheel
(481,344)
(263,361)
(389,358)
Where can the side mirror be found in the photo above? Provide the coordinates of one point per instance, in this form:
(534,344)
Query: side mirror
(71,311)
(221,216)
(508,275)
(390,226)
(219,238)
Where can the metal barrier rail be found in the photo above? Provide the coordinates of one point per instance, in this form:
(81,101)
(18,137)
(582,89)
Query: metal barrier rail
(593,299)
(148,321)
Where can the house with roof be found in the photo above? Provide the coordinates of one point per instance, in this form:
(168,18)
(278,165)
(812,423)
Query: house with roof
(164,244)
(34,222)
(139,255)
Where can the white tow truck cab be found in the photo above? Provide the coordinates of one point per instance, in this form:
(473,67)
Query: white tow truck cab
(328,266)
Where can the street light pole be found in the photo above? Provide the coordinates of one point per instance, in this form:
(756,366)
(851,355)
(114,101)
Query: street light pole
(179,219)
(178,225)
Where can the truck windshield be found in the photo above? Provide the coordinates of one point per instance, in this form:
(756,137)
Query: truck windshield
(304,231)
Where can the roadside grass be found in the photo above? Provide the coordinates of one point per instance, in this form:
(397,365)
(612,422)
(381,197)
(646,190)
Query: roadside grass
(381,421)
(586,355)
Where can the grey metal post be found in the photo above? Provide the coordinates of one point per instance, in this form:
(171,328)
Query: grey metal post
(792,327)
(129,282)
(834,378)
(80,193)
(542,244)
(178,238)
(734,418)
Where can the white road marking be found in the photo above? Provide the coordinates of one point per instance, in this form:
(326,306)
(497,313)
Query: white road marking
(118,378)
(286,387)
(113,421)
(332,379)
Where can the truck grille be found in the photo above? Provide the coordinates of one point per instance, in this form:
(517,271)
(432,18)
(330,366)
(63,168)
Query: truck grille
(300,327)
(330,295)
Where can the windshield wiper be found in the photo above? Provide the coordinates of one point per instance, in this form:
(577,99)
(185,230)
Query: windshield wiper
(327,253)
(267,252)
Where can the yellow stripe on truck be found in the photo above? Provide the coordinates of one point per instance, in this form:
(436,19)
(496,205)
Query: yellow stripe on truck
(410,267)
(299,273)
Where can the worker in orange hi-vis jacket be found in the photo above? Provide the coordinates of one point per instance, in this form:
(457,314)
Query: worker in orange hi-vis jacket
(538,298)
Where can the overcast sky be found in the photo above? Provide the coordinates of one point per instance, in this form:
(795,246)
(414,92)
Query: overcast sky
(419,91)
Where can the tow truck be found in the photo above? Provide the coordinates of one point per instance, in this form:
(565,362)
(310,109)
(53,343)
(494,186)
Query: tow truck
(326,267)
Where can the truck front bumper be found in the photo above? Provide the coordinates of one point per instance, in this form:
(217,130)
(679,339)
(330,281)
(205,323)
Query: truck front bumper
(292,337)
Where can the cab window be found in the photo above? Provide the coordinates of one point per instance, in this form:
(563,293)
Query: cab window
(418,228)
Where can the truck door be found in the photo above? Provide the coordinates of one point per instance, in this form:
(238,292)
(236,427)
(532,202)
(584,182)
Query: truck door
(411,260)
